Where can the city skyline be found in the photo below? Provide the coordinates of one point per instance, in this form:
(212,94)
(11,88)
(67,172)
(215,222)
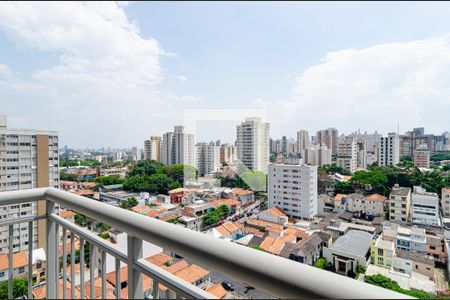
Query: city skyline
(115,67)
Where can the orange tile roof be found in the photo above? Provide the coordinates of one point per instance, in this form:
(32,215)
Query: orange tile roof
(251,230)
(89,185)
(66,214)
(40,292)
(111,276)
(77,268)
(153,213)
(222,230)
(274,229)
(340,196)
(176,267)
(376,197)
(20,259)
(262,223)
(217,290)
(159,259)
(147,284)
(140,208)
(446,190)
(76,246)
(219,202)
(276,211)
(82,192)
(192,273)
(297,232)
(168,217)
(98,289)
(278,245)
(267,243)
(241,192)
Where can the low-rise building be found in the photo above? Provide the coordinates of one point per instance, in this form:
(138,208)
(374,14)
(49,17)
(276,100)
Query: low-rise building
(383,252)
(349,251)
(274,215)
(412,261)
(400,204)
(366,205)
(425,207)
(307,251)
(445,202)
(121,172)
(245,196)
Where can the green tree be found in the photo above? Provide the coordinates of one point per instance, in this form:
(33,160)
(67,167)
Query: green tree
(145,168)
(83,220)
(333,168)
(68,177)
(108,180)
(180,172)
(215,215)
(138,183)
(20,288)
(372,181)
(131,202)
(161,183)
(321,263)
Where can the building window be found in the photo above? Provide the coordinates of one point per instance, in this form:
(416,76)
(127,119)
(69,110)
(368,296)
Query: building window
(380,252)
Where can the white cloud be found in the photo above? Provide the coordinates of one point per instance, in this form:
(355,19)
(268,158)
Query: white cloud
(102,89)
(182,78)
(374,88)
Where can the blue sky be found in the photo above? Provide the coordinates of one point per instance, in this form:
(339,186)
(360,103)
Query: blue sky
(113,74)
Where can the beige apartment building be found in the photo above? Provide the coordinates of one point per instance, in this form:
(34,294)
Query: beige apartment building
(28,159)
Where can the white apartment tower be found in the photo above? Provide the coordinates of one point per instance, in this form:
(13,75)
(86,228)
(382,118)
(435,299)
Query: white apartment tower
(347,153)
(389,151)
(294,189)
(302,140)
(152,148)
(207,158)
(178,147)
(28,159)
(253,144)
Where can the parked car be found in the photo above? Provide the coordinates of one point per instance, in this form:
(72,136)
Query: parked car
(228,285)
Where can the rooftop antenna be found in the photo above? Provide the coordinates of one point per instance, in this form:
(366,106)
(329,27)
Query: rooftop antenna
(398,128)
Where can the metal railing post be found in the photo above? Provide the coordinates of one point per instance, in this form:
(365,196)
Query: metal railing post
(51,246)
(135,278)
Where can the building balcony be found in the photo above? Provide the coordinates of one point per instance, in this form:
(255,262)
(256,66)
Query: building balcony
(278,276)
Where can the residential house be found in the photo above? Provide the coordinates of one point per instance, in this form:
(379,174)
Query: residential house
(308,250)
(245,196)
(413,261)
(228,230)
(348,251)
(400,204)
(274,215)
(366,205)
(383,252)
(232,204)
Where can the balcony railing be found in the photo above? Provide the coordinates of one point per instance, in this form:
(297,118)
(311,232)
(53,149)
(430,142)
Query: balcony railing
(278,276)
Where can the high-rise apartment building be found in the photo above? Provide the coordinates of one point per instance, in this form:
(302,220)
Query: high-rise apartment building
(152,148)
(294,189)
(328,137)
(361,158)
(347,153)
(28,159)
(178,147)
(317,155)
(302,140)
(400,204)
(207,158)
(389,152)
(253,144)
(421,157)
(227,153)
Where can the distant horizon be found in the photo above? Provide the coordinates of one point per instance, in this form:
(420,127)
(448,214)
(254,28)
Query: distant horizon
(114,73)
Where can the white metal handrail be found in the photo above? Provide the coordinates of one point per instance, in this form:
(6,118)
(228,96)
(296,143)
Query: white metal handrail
(278,276)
